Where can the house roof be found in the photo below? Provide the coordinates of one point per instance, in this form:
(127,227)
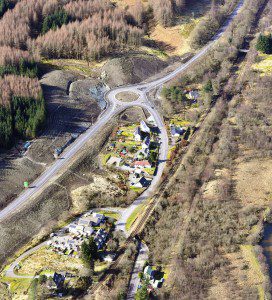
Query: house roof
(112,160)
(193,94)
(89,219)
(176,130)
(142,163)
(148,270)
(144,182)
(151,119)
(88,229)
(137,131)
(144,127)
(58,279)
(147,141)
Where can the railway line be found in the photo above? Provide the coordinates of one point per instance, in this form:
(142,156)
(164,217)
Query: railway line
(114,107)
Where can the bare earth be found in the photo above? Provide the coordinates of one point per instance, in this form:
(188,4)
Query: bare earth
(254,181)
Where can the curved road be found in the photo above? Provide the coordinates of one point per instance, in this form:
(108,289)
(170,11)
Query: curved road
(113,109)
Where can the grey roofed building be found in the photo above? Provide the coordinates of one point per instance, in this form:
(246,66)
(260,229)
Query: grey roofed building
(148,271)
(144,127)
(59,279)
(89,220)
(84,221)
(88,230)
(138,134)
(176,131)
(113,160)
(193,95)
(146,143)
(142,183)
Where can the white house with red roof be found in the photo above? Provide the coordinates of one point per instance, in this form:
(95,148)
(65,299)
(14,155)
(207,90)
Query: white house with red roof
(142,164)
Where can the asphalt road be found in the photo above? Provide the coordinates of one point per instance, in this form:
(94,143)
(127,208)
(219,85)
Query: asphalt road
(138,267)
(114,108)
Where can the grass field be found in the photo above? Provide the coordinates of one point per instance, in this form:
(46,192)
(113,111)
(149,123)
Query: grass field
(46,260)
(110,214)
(249,254)
(18,287)
(173,40)
(135,214)
(74,65)
(179,121)
(265,65)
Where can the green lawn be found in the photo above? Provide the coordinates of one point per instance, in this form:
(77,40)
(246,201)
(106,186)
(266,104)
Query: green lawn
(132,218)
(100,266)
(110,214)
(136,189)
(265,65)
(179,122)
(18,286)
(106,157)
(250,255)
(150,171)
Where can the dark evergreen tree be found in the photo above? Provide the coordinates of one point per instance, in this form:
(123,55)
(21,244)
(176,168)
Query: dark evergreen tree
(6,129)
(4,6)
(55,20)
(264,44)
(89,251)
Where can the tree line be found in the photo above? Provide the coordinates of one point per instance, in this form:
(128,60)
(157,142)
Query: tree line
(17,62)
(93,28)
(22,108)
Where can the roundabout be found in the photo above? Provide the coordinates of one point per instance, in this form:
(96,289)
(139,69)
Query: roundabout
(127,96)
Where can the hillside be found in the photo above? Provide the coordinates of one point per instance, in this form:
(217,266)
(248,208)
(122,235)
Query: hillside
(135,149)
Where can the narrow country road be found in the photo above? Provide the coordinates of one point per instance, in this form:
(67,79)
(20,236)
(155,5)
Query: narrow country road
(10,272)
(138,267)
(114,108)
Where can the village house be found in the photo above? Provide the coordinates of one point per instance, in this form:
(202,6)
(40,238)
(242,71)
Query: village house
(141,183)
(146,143)
(100,238)
(113,160)
(100,216)
(176,131)
(84,222)
(88,231)
(142,164)
(149,272)
(193,95)
(157,283)
(144,127)
(151,120)
(137,134)
(154,277)
(94,220)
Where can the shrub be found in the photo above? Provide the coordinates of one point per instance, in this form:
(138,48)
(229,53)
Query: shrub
(264,44)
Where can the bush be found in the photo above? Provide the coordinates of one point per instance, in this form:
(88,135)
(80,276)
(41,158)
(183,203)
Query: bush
(264,44)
